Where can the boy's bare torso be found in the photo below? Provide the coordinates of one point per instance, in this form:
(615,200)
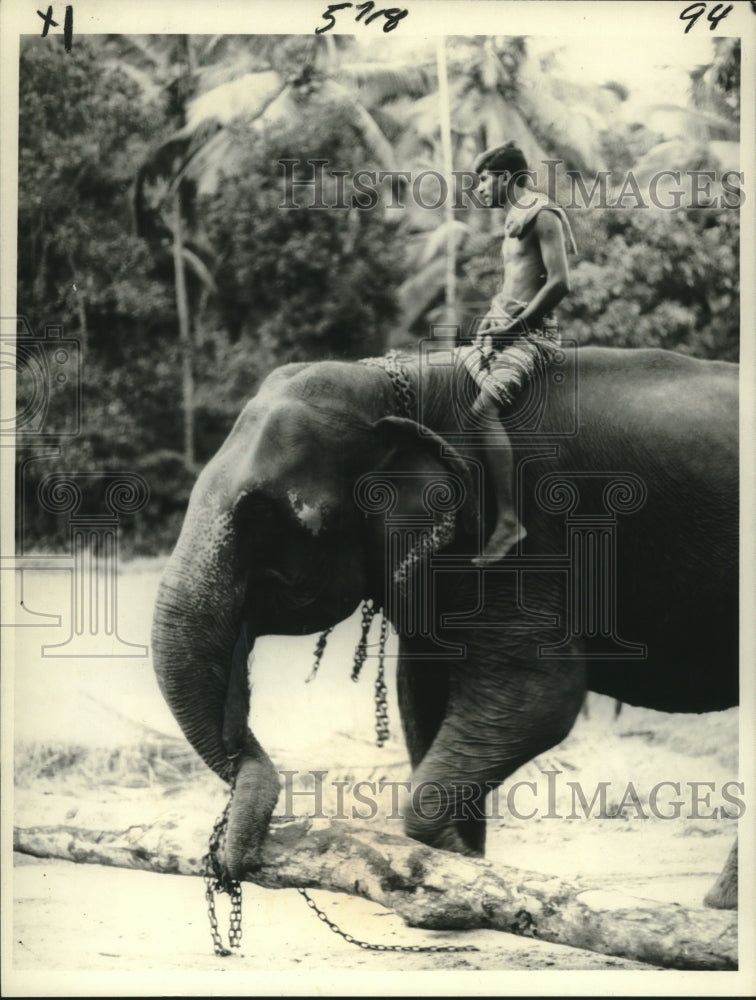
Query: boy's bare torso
(524,271)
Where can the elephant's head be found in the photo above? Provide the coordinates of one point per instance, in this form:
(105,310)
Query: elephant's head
(275,542)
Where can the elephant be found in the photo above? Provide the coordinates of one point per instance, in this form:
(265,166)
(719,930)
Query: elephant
(626,582)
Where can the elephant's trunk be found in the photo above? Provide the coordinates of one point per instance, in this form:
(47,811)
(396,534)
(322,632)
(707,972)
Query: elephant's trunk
(202,672)
(194,630)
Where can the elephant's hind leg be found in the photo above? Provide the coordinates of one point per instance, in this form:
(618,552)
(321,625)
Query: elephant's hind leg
(723,895)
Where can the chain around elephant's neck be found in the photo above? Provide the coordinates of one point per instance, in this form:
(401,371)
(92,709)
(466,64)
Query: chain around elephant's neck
(404,391)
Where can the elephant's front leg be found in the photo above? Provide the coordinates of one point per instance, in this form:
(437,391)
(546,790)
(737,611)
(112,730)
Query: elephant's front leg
(499,715)
(423,689)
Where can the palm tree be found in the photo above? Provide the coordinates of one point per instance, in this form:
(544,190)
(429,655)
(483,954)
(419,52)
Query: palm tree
(294,78)
(265,82)
(704,135)
(166,69)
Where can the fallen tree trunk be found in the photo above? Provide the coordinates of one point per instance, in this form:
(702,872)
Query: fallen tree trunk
(426,887)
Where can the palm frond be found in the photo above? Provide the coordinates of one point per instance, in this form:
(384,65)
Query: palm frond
(284,109)
(668,155)
(226,59)
(199,269)
(727,154)
(143,79)
(378,83)
(149,53)
(674,121)
(362,121)
(686,154)
(249,94)
(716,86)
(423,117)
(570,130)
(419,290)
(437,240)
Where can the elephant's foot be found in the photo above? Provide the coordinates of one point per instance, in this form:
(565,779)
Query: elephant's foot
(723,895)
(255,796)
(507,534)
(445,838)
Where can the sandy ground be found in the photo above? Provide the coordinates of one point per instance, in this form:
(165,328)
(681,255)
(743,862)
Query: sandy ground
(137,928)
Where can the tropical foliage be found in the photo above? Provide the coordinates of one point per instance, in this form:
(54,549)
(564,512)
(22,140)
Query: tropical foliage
(151,228)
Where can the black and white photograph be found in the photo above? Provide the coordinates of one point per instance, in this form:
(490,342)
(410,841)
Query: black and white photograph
(378,464)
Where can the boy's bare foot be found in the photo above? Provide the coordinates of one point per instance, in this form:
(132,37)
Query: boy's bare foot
(506,534)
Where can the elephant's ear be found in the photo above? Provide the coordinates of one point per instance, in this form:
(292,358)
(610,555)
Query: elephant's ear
(415,454)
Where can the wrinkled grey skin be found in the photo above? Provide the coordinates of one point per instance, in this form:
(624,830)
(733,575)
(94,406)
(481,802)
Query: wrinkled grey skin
(274,543)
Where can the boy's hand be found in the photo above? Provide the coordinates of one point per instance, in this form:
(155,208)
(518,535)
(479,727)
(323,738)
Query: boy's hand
(492,326)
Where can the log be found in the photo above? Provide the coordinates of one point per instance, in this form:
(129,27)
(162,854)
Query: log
(426,887)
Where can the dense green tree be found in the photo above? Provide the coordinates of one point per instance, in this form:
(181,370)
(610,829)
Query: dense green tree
(301,283)
(83,124)
(82,127)
(660,279)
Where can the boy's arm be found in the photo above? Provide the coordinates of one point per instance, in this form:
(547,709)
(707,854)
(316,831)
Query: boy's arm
(548,232)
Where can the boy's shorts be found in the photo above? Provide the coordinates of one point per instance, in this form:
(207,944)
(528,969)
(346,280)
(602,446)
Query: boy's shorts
(503,364)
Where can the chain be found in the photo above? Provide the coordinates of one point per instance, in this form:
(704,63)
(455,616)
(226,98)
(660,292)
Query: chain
(381,704)
(439,535)
(216,881)
(360,653)
(367,946)
(319,650)
(404,391)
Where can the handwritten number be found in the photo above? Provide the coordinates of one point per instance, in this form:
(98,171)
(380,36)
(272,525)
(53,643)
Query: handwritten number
(687,15)
(695,10)
(328,16)
(715,18)
(68,29)
(393,17)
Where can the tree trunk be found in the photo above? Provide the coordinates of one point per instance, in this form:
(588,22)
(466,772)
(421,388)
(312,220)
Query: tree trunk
(81,308)
(185,331)
(426,887)
(450,278)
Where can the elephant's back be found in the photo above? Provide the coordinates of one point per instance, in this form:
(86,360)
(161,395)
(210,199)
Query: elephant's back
(655,409)
(659,385)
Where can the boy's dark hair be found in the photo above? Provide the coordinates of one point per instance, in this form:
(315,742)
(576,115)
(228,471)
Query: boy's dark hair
(500,158)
